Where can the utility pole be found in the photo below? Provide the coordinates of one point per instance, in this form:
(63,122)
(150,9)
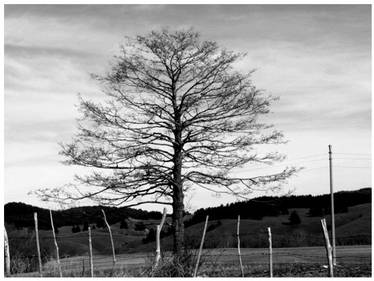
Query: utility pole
(332,209)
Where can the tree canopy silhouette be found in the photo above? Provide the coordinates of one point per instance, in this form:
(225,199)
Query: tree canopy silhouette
(177,116)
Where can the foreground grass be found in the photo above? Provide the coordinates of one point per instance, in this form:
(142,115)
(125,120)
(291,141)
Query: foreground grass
(280,270)
(292,270)
(353,261)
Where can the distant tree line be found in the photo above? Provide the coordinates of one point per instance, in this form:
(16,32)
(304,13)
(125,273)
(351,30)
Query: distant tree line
(274,206)
(21,215)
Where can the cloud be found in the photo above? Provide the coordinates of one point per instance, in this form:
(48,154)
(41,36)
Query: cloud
(317,89)
(36,130)
(39,51)
(47,70)
(316,58)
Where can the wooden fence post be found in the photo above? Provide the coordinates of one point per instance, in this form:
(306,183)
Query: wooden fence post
(111,239)
(83,268)
(158,234)
(90,251)
(328,247)
(37,244)
(239,254)
(201,247)
(56,245)
(158,246)
(270,254)
(7,254)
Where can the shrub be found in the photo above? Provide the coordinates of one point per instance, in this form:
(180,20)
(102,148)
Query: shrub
(85,226)
(294,219)
(123,225)
(139,226)
(151,236)
(176,266)
(76,229)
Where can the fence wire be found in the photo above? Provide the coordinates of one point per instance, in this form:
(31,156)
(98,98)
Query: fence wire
(211,259)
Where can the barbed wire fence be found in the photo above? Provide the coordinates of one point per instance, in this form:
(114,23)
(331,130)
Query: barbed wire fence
(212,258)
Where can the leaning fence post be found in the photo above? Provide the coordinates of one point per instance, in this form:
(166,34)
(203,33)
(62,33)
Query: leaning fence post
(201,247)
(111,239)
(56,245)
(239,254)
(328,247)
(158,233)
(270,253)
(37,243)
(90,251)
(7,253)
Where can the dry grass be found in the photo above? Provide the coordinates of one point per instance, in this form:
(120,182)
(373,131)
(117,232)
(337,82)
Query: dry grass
(258,270)
(176,266)
(288,262)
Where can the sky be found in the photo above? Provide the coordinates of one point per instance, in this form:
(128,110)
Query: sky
(315,58)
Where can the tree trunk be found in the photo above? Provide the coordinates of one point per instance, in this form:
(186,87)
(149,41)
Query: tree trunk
(178,207)
(178,210)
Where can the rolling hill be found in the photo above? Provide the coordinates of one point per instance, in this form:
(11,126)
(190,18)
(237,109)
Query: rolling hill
(132,229)
(352,228)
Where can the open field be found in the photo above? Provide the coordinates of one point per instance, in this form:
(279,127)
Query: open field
(352,228)
(298,250)
(300,261)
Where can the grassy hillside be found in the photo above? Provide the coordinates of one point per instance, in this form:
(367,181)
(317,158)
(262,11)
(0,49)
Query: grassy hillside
(266,206)
(353,227)
(132,229)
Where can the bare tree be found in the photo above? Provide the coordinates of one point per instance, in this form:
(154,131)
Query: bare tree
(177,115)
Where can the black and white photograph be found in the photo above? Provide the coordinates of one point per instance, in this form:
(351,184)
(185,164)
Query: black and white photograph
(187,140)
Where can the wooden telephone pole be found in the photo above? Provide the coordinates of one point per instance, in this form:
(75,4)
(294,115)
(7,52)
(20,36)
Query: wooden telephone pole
(332,209)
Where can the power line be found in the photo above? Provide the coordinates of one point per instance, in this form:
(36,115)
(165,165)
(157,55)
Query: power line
(354,167)
(308,156)
(282,165)
(304,161)
(366,154)
(314,168)
(352,158)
